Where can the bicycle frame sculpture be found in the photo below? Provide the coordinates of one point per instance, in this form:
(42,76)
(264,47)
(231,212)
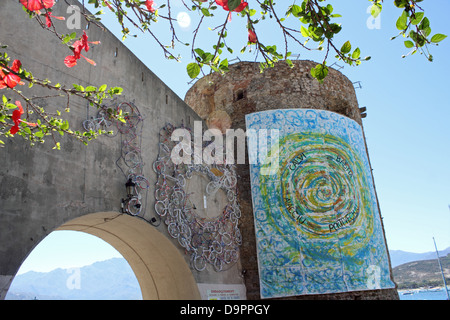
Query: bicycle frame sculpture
(214,241)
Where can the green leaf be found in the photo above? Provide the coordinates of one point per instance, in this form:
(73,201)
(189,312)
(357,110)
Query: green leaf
(199,51)
(224,65)
(417,38)
(296,10)
(418,18)
(438,37)
(409,44)
(193,70)
(375,10)
(78,87)
(305,32)
(65,125)
(319,72)
(402,21)
(425,24)
(356,54)
(346,48)
(205,12)
(116,90)
(400,3)
(233,4)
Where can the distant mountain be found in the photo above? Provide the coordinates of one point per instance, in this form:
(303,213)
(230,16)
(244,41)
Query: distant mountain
(399,257)
(423,273)
(112,279)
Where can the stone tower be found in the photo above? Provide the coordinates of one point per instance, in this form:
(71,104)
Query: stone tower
(224,101)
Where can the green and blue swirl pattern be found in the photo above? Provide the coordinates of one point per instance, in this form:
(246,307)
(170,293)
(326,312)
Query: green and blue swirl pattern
(317,223)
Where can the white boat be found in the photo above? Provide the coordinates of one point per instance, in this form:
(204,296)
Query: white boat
(405,293)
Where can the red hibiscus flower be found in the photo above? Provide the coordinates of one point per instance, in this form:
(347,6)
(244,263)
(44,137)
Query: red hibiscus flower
(16,119)
(35,5)
(11,80)
(149,4)
(252,36)
(224,5)
(48,21)
(241,6)
(70,61)
(77,47)
(2,83)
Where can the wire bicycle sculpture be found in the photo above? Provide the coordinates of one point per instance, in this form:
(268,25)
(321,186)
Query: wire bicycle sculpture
(208,241)
(130,160)
(137,184)
(103,121)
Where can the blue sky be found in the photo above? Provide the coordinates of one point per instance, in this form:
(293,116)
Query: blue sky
(407,100)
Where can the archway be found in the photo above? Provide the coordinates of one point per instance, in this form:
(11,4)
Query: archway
(159,267)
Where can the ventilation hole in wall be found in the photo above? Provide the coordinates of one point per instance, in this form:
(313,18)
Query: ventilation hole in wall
(189,120)
(167,99)
(142,77)
(87,26)
(115,52)
(240,94)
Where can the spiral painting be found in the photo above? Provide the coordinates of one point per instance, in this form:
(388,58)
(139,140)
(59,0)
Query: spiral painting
(316,216)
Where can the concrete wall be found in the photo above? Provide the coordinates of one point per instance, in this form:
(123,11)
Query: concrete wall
(226,99)
(40,188)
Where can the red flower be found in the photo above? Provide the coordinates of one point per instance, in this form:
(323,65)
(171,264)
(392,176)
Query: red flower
(16,119)
(11,80)
(224,5)
(16,65)
(109,6)
(85,42)
(77,47)
(149,4)
(35,5)
(70,61)
(2,83)
(48,21)
(252,36)
(241,6)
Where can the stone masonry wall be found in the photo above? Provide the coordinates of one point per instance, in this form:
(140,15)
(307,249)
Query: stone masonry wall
(223,101)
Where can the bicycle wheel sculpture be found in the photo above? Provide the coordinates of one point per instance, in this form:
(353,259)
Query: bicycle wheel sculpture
(130,161)
(210,241)
(316,216)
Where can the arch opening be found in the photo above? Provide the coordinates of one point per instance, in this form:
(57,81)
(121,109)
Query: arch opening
(73,265)
(159,267)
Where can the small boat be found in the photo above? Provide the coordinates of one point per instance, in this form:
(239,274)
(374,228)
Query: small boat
(405,293)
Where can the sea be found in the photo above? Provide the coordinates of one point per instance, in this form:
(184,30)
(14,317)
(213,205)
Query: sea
(431,294)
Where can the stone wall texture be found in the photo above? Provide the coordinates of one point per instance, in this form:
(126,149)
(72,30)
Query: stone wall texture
(224,100)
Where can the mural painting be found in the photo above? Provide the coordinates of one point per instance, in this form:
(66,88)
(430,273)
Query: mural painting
(317,222)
